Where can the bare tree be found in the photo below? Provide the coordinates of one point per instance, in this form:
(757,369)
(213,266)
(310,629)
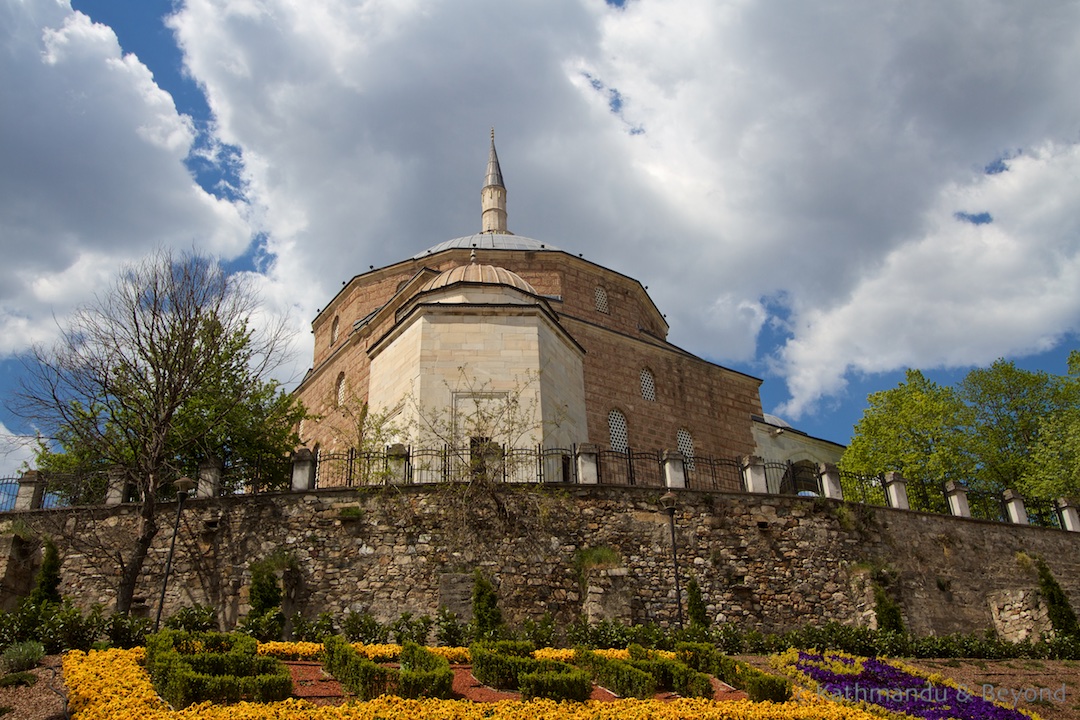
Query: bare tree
(141,375)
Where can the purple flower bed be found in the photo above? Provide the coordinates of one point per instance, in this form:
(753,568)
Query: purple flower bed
(893,689)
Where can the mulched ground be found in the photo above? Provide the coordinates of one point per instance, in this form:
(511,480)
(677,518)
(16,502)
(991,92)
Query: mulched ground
(313,685)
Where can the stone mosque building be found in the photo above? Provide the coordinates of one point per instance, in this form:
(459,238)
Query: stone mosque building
(496,324)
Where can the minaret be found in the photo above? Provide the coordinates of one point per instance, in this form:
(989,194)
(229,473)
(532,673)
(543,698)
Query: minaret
(493,196)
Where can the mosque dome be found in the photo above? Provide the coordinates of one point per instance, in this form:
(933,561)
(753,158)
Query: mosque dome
(488,241)
(476,273)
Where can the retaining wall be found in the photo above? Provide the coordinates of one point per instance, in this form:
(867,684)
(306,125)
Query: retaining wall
(765,561)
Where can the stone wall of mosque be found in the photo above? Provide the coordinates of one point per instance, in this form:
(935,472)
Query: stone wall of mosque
(763,561)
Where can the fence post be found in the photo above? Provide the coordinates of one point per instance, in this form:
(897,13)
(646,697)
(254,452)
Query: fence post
(829,477)
(210,478)
(674,469)
(116,493)
(397,456)
(1070,519)
(753,470)
(896,491)
(587,468)
(1014,505)
(303,470)
(31,488)
(957,497)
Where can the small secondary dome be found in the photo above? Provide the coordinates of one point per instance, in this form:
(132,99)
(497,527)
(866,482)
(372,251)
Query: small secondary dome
(474,273)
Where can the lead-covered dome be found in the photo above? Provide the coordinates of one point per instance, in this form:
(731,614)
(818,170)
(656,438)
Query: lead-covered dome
(481,274)
(488,241)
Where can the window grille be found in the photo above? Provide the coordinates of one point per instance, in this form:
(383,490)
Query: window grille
(334,329)
(617,430)
(686,446)
(601,300)
(648,385)
(339,390)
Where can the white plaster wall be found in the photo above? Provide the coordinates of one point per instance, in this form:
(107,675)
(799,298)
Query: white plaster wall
(787,445)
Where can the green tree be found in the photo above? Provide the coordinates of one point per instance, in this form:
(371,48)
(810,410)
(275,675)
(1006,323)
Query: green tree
(919,429)
(1009,408)
(143,379)
(1054,467)
(487,618)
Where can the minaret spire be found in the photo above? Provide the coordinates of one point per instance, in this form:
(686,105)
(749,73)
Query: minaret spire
(493,196)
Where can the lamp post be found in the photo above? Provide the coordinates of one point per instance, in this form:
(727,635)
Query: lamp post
(668,501)
(184,485)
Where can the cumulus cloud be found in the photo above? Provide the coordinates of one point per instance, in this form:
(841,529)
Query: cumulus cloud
(92,168)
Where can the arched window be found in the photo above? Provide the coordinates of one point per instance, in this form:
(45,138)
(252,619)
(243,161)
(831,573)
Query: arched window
(339,390)
(334,330)
(648,385)
(601,300)
(686,446)
(616,421)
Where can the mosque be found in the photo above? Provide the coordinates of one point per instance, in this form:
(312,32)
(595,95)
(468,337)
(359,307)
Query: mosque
(504,339)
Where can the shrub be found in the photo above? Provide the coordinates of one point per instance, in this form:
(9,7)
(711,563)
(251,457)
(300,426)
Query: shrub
(487,618)
(449,630)
(364,628)
(313,630)
(358,675)
(423,673)
(1062,616)
(695,606)
(47,582)
(18,679)
(65,627)
(620,677)
(192,667)
(573,685)
(542,633)
(768,688)
(127,631)
(22,656)
(196,618)
(407,629)
(267,627)
(887,611)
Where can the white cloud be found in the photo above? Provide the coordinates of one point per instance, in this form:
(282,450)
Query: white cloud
(962,293)
(16,451)
(92,171)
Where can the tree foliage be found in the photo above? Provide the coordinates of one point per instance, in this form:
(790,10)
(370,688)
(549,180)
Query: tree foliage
(916,429)
(161,369)
(1000,427)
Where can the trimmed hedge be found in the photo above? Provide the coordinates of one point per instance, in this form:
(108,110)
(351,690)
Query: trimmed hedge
(188,668)
(758,686)
(422,673)
(619,677)
(571,684)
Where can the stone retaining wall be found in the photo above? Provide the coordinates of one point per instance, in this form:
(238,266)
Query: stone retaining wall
(763,561)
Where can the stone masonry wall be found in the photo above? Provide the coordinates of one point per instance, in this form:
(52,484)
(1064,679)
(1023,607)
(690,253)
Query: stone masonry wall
(762,561)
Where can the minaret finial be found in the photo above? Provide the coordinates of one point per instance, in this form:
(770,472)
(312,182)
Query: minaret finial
(493,195)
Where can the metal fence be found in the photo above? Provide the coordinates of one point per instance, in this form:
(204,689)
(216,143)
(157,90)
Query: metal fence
(489,462)
(9,490)
(866,489)
(792,479)
(252,478)
(714,474)
(638,469)
(987,506)
(1043,513)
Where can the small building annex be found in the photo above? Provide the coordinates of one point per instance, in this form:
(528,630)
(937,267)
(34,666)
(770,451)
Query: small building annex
(499,338)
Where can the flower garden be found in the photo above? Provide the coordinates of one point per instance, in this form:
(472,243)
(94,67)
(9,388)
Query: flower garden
(116,685)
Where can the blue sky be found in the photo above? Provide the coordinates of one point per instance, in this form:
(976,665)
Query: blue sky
(817,195)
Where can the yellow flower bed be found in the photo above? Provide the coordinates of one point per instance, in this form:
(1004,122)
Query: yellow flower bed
(292,650)
(567,655)
(112,685)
